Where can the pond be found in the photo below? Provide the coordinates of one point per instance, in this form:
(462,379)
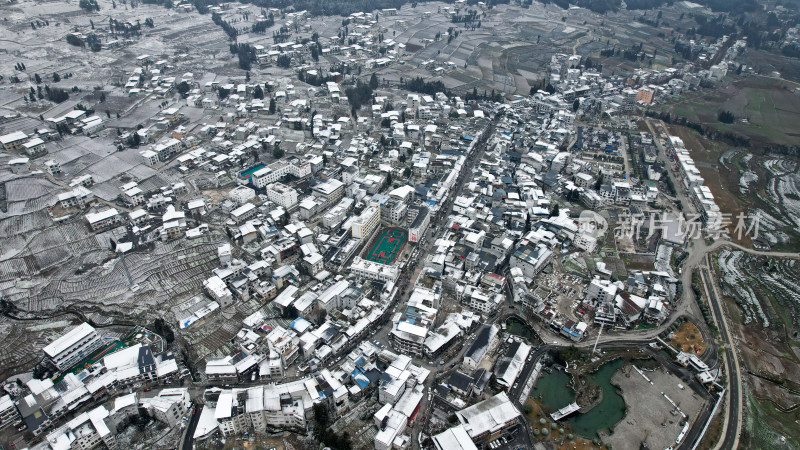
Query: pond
(554,392)
(519,328)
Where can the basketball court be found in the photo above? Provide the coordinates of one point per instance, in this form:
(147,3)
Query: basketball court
(387,246)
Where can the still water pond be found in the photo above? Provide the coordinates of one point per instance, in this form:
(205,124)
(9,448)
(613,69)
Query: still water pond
(554,392)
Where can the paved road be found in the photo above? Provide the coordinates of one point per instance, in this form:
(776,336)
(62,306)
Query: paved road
(188,438)
(412,270)
(732,426)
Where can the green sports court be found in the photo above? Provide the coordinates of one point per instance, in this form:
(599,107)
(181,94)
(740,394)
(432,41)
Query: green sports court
(387,246)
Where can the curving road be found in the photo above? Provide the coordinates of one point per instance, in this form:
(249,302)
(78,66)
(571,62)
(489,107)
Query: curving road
(732,425)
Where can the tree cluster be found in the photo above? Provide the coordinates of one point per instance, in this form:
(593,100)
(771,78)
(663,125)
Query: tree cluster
(184,88)
(246,54)
(284,61)
(89,5)
(56,95)
(324,434)
(126,28)
(359,95)
(424,87)
(726,117)
(161,328)
(317,79)
(262,25)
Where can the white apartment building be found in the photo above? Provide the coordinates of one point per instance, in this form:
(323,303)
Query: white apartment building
(242,194)
(277,170)
(70,348)
(366,223)
(150,157)
(84,432)
(218,290)
(373,270)
(8,412)
(601,291)
(282,195)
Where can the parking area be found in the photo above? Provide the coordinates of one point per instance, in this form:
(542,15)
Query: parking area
(563,291)
(658,407)
(512,438)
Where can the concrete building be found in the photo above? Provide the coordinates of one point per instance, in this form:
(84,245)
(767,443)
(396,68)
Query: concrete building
(70,348)
(531,259)
(104,219)
(484,341)
(218,290)
(86,431)
(13,142)
(485,421)
(8,412)
(329,192)
(367,221)
(455,438)
(282,195)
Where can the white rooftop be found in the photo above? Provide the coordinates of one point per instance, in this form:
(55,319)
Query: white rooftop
(69,339)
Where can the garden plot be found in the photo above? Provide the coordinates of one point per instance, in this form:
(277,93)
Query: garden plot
(92,280)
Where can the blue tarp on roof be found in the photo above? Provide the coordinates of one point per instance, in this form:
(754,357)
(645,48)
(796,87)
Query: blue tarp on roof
(300,324)
(358,376)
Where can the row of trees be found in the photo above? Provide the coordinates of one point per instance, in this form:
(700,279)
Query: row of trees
(126,28)
(226,27)
(493,96)
(56,77)
(56,95)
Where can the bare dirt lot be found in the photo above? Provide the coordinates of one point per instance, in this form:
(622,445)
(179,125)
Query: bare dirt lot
(688,338)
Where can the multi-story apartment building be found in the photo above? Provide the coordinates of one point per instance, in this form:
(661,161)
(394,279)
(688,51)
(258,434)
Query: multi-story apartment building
(70,348)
